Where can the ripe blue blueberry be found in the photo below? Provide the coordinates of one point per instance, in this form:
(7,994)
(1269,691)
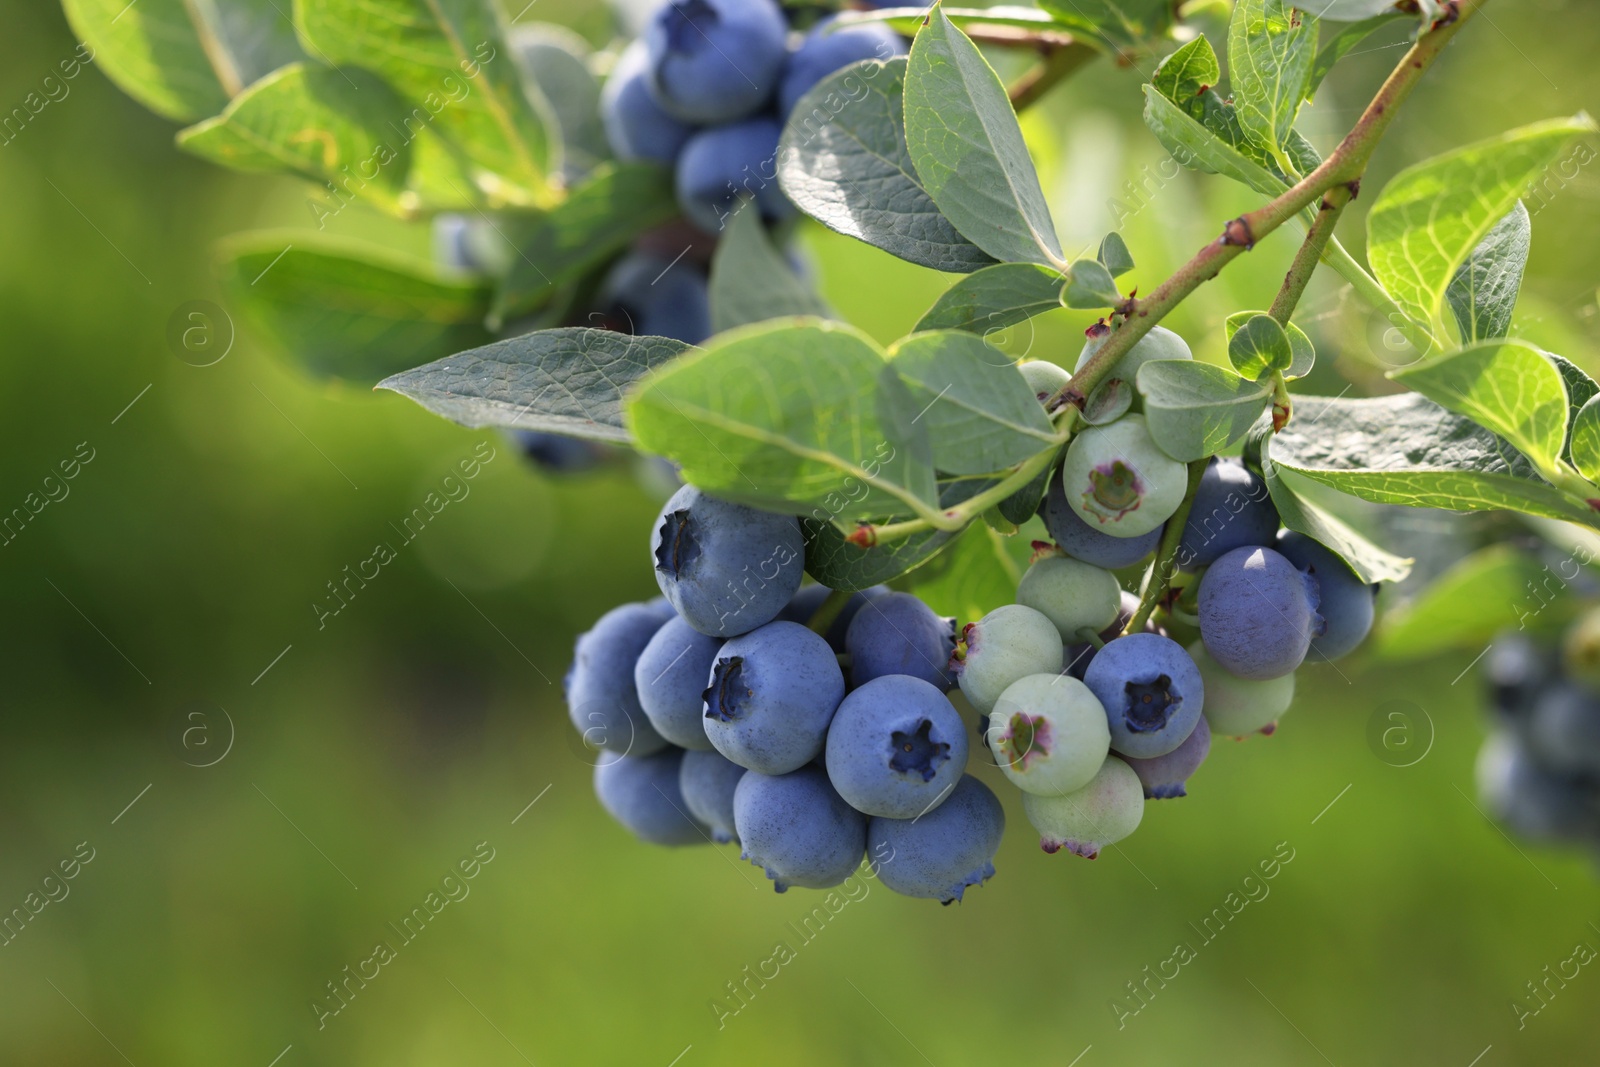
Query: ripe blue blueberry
(1159,343)
(822,53)
(898,634)
(470,244)
(798,828)
(670,678)
(1081,541)
(896,747)
(805,603)
(1564,731)
(601,698)
(1072,594)
(723,164)
(638,128)
(941,854)
(1117,480)
(642,793)
(1345,602)
(1165,777)
(727,568)
(1531,799)
(1003,647)
(1152,692)
(646,295)
(1081,654)
(773,692)
(1239,707)
(715,60)
(1048,733)
(708,780)
(1231,510)
(1102,813)
(1258,614)
(558,453)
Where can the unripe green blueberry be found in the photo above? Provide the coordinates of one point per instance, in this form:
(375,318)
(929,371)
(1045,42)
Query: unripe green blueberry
(1044,378)
(1119,482)
(1072,594)
(1239,707)
(1048,733)
(1102,813)
(1159,343)
(1004,646)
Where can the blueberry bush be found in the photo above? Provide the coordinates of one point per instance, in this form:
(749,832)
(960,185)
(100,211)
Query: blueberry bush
(1144,545)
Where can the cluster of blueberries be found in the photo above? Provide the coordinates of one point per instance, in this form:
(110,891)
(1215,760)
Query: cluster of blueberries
(735,709)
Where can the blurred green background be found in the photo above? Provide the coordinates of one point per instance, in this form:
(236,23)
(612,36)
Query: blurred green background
(354,765)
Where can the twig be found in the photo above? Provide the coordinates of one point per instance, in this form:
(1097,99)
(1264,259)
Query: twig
(1058,64)
(1159,577)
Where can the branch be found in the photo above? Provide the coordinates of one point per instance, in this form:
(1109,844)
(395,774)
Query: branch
(1311,250)
(1056,65)
(1163,566)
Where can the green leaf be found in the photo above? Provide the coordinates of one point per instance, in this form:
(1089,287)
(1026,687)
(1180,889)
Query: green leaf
(1371,563)
(1586,440)
(838,564)
(1116,25)
(556,59)
(598,220)
(1303,354)
(345,310)
(335,126)
(994,298)
(1343,42)
(1472,603)
(1260,346)
(1405,449)
(1187,73)
(908,19)
(1483,293)
(1022,505)
(1194,145)
(752,282)
(1430,217)
(1271,48)
(1580,390)
(1505,387)
(570,381)
(980,416)
(792,415)
(1114,255)
(1196,409)
(975,575)
(843,160)
(1090,285)
(183,59)
(968,149)
(450,59)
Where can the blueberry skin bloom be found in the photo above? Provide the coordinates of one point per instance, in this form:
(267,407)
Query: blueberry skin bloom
(1239,707)
(708,780)
(810,598)
(1117,480)
(1081,541)
(1003,647)
(1258,614)
(1102,813)
(1048,733)
(638,128)
(798,829)
(939,855)
(715,60)
(1345,602)
(1166,777)
(726,568)
(722,164)
(1152,692)
(1231,510)
(822,53)
(898,634)
(670,679)
(772,693)
(896,748)
(601,698)
(642,793)
(1073,594)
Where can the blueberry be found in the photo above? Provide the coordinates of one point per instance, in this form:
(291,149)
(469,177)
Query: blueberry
(723,164)
(1081,654)
(651,296)
(941,854)
(1074,595)
(642,793)
(1043,377)
(1081,541)
(1048,733)
(670,679)
(1152,692)
(1102,813)
(1231,510)
(805,603)
(638,128)
(1239,707)
(1159,343)
(1258,613)
(708,780)
(1117,480)
(558,453)
(601,698)
(1003,647)
(715,60)
(822,53)
(1518,669)
(470,244)
(1164,777)
(1531,799)
(798,829)
(773,692)
(725,567)
(898,634)
(1345,602)
(896,747)
(1565,729)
